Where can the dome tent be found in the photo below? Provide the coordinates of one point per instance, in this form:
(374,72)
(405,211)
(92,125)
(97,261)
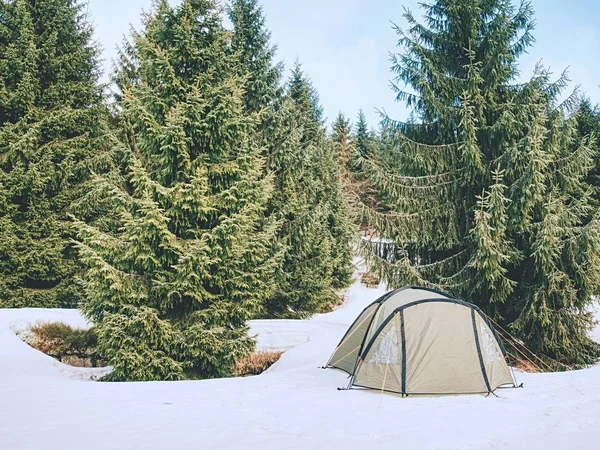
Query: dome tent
(419,341)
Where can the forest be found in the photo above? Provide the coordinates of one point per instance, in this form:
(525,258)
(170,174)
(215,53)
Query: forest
(202,187)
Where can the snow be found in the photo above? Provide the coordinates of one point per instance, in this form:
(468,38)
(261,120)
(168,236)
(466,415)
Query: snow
(294,405)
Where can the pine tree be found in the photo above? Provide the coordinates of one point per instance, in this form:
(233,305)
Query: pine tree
(309,201)
(487,193)
(51,139)
(172,288)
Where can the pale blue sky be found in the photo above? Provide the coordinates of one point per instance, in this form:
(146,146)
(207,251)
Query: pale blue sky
(344,44)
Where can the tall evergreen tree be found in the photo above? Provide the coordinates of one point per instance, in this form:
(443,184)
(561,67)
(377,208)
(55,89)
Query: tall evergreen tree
(363,137)
(343,140)
(305,96)
(171,290)
(51,139)
(251,42)
(489,201)
(340,182)
(309,201)
(588,125)
(368,146)
(341,217)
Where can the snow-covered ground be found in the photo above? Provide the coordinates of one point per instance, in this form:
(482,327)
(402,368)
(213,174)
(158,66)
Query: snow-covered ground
(294,405)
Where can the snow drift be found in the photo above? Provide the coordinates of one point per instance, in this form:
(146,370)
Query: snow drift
(294,405)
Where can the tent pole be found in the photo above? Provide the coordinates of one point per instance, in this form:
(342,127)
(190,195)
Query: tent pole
(347,354)
(348,337)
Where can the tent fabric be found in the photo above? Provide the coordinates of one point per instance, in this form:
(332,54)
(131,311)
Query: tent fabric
(418,341)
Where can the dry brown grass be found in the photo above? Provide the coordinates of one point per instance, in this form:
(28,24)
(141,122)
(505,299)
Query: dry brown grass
(76,347)
(368,231)
(255,364)
(523,365)
(370,280)
(336,300)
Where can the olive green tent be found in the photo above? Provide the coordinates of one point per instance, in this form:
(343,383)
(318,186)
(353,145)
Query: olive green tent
(418,341)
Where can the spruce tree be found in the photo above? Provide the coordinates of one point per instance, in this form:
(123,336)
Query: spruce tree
(588,125)
(324,166)
(367,146)
(363,136)
(487,193)
(309,201)
(251,41)
(171,289)
(51,139)
(343,140)
(341,154)
(342,228)
(355,143)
